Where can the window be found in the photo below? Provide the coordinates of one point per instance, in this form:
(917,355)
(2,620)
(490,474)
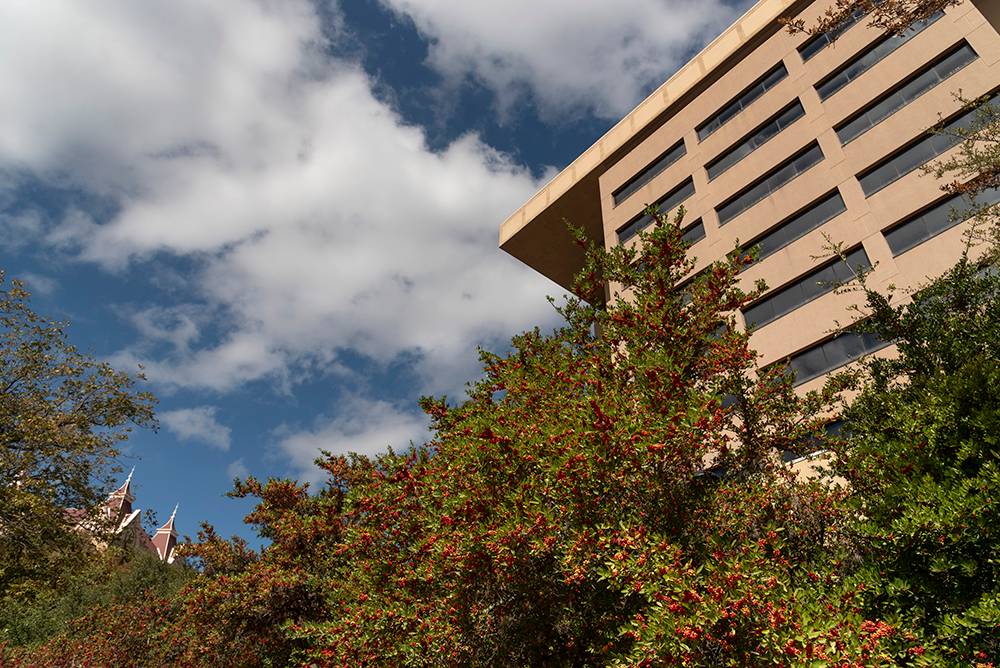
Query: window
(633,185)
(816,283)
(755,139)
(899,97)
(798,225)
(868,58)
(743,100)
(917,153)
(667,203)
(694,232)
(836,429)
(817,43)
(769,183)
(828,355)
(932,222)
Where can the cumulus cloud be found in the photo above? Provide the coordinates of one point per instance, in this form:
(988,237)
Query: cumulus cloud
(38,283)
(589,55)
(198,424)
(317,219)
(363,426)
(238,469)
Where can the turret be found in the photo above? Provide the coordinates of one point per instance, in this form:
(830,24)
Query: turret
(165,539)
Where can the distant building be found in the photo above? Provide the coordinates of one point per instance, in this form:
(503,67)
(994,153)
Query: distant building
(777,141)
(124,525)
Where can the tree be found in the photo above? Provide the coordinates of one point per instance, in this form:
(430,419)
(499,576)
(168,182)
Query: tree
(923,466)
(596,500)
(114,577)
(62,414)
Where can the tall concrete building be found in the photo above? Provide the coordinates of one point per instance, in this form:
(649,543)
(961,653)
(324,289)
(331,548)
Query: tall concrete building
(779,140)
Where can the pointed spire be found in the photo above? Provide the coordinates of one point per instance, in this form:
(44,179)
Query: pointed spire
(125,489)
(169,524)
(165,538)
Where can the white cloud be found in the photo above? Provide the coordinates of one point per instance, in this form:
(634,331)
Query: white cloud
(586,55)
(21,229)
(198,424)
(37,283)
(320,221)
(238,469)
(363,426)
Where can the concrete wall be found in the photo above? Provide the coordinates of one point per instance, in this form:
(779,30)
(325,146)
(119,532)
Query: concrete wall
(865,218)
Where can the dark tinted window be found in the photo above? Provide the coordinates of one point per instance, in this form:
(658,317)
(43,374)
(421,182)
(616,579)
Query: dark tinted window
(905,93)
(935,220)
(929,147)
(755,139)
(868,58)
(666,205)
(694,233)
(743,100)
(819,42)
(814,284)
(829,355)
(798,225)
(769,183)
(675,153)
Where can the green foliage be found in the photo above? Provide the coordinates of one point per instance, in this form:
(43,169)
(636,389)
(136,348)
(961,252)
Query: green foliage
(617,500)
(597,500)
(96,580)
(61,416)
(923,464)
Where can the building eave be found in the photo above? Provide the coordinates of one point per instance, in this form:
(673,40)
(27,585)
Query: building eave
(537,233)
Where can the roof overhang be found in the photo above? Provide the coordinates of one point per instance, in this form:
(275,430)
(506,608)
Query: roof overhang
(537,233)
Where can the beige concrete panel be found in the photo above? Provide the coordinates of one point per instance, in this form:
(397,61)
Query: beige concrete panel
(763,108)
(921,49)
(796,137)
(648,110)
(681,82)
(720,49)
(805,253)
(560,184)
(909,122)
(761,14)
(986,41)
(793,196)
(804,326)
(934,257)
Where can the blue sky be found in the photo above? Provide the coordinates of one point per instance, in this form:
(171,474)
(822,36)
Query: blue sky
(287,212)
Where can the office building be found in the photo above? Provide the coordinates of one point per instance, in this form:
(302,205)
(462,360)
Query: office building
(774,140)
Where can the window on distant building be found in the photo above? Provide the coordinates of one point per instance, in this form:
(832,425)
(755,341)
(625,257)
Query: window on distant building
(868,58)
(831,354)
(743,100)
(694,232)
(666,206)
(755,139)
(928,147)
(769,183)
(817,43)
(897,98)
(816,283)
(935,220)
(650,172)
(798,225)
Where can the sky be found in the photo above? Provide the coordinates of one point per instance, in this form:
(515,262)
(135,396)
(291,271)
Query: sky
(286,211)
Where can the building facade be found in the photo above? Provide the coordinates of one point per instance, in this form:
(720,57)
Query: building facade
(122,523)
(781,141)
